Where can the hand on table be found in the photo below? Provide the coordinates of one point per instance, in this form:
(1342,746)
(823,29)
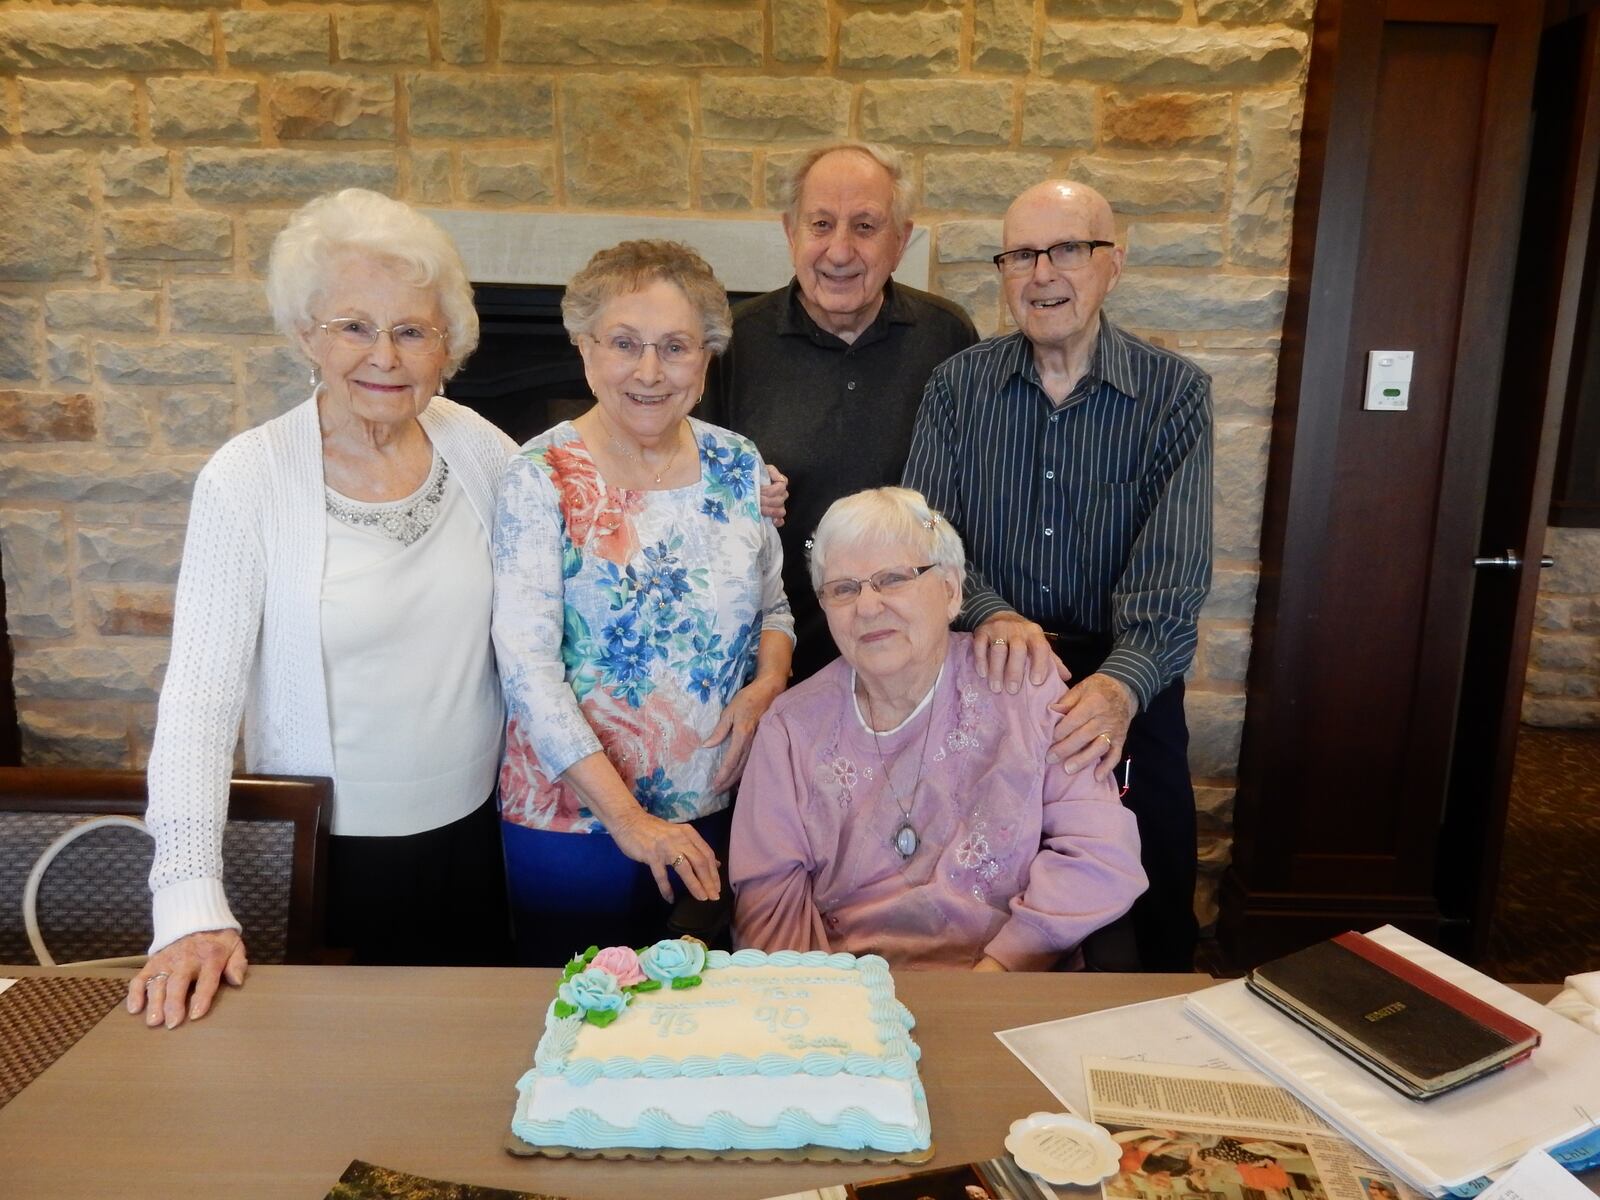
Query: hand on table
(1093,725)
(200,961)
(775,495)
(987,965)
(1006,645)
(738,728)
(661,845)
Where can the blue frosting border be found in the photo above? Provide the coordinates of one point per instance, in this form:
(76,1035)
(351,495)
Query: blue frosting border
(892,1020)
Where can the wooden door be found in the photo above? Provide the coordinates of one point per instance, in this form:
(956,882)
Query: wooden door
(1406,226)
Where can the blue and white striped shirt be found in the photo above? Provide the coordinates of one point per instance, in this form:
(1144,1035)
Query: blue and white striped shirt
(1091,517)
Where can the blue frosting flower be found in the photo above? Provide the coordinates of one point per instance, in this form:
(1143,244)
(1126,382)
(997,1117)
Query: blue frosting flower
(673,959)
(593,991)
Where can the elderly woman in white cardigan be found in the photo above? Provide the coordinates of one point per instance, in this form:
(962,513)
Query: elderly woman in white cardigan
(336,591)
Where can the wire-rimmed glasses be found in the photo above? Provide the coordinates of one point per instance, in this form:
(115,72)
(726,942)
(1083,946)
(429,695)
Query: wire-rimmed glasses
(409,337)
(837,592)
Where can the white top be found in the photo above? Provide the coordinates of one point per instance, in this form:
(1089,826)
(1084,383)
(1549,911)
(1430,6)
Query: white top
(247,639)
(413,697)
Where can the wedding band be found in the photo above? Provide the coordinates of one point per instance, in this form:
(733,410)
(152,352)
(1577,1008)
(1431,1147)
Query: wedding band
(677,862)
(1107,737)
(997,641)
(156,978)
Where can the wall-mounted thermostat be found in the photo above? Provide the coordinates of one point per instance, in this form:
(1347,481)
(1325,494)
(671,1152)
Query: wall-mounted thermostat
(1388,381)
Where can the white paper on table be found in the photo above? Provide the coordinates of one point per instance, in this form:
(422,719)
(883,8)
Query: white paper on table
(1155,1031)
(1537,1176)
(1440,1143)
(5,983)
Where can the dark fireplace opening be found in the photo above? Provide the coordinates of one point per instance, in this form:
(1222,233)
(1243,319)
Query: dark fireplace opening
(526,374)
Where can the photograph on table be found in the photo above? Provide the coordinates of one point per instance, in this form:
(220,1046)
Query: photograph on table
(1174,1164)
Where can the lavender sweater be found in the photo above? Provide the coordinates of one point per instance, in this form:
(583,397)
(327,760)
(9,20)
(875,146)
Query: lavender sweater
(1018,860)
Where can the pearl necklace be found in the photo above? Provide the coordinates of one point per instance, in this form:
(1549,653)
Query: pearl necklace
(905,840)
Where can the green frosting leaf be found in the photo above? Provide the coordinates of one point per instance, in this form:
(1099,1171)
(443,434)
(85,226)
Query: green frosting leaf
(602,1019)
(563,1009)
(574,967)
(588,955)
(688,981)
(649,985)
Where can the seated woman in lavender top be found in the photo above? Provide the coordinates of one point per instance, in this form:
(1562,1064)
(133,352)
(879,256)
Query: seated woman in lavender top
(893,804)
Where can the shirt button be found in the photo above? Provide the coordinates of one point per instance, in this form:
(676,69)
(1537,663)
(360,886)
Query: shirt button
(1049,532)
(1044,587)
(851,386)
(1049,474)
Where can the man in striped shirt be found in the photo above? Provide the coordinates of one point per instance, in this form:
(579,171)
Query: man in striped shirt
(1075,459)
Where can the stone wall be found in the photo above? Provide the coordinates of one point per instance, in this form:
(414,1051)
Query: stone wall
(150,149)
(1563,685)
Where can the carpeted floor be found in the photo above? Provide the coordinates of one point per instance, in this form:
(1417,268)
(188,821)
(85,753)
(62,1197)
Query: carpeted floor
(1547,912)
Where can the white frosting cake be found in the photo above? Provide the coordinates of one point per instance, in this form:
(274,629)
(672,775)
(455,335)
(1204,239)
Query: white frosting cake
(760,1052)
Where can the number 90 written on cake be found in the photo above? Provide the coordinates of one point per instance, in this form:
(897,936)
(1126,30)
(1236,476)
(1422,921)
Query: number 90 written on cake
(674,1050)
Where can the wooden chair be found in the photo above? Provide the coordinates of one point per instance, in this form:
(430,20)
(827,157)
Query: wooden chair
(93,896)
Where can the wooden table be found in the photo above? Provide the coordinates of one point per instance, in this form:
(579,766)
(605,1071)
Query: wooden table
(306,1068)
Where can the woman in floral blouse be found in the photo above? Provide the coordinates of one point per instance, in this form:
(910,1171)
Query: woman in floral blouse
(639,617)
(894,804)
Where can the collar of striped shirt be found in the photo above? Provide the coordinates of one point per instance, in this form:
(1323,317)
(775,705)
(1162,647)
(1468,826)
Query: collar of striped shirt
(1111,363)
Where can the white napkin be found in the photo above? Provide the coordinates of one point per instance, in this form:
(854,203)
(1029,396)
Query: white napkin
(1580,1000)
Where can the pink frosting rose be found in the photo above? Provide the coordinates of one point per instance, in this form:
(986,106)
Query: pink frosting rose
(621,962)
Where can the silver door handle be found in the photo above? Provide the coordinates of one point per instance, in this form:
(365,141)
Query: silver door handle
(1510,562)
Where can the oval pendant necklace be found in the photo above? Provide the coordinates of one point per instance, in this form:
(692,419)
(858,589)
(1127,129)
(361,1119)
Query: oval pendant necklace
(905,840)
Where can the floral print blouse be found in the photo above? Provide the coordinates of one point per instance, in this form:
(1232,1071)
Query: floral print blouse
(625,621)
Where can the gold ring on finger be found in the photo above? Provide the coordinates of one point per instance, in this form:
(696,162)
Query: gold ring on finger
(1107,737)
(997,641)
(155,979)
(677,862)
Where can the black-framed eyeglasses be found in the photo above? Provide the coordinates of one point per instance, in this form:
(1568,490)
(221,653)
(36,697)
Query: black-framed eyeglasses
(671,350)
(1064,256)
(410,337)
(835,592)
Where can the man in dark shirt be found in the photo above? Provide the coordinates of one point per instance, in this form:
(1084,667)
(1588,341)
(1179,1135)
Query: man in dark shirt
(1075,460)
(825,375)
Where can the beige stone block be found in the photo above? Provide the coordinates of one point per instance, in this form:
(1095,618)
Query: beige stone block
(456,105)
(164,363)
(1167,120)
(85,474)
(1562,683)
(1003,35)
(1224,653)
(121,610)
(1242,385)
(1156,185)
(630,35)
(66,357)
(975,289)
(1136,10)
(1566,652)
(276,378)
(214,109)
(775,171)
(46,417)
(1577,555)
(430,177)
(1554,612)
(626,141)
(10,119)
(1216,722)
(127,670)
(968,241)
(1233,593)
(129,553)
(73,738)
(463,30)
(1239,476)
(978,182)
(1265,171)
(1255,12)
(49,236)
(1175,244)
(767,110)
(38,579)
(1216,803)
(916,41)
(74,39)
(68,108)
(136,173)
(198,417)
(83,308)
(319,104)
(1058,114)
(219,306)
(19,338)
(509,176)
(726,179)
(948,111)
(280,176)
(124,418)
(1169,54)
(800,31)
(383,36)
(1201,301)
(168,234)
(276,39)
(259,228)
(1561,714)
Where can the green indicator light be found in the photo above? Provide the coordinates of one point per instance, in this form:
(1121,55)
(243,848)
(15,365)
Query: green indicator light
(1391,391)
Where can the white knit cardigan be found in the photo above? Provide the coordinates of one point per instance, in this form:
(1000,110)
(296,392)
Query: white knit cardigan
(247,639)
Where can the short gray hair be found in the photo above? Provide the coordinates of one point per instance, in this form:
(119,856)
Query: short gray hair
(884,516)
(629,267)
(358,221)
(894,166)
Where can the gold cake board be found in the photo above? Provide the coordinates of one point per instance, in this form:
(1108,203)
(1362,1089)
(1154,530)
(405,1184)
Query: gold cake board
(832,1154)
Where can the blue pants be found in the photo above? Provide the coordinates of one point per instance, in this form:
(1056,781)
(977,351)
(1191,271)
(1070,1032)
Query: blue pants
(569,891)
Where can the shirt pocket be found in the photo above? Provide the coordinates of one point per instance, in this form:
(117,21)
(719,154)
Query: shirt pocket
(1105,516)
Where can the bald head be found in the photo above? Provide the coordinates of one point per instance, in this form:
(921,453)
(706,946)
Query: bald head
(1069,198)
(1057,305)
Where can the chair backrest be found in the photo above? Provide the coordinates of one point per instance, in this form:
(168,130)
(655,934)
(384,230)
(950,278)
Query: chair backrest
(94,901)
